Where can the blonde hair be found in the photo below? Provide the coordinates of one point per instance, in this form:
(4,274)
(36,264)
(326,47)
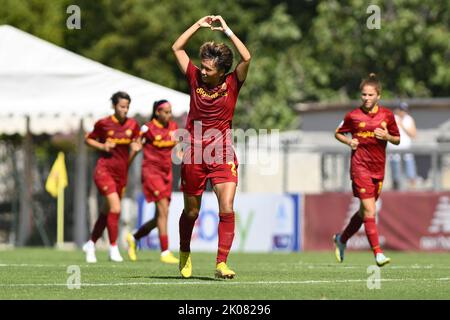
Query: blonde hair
(373,81)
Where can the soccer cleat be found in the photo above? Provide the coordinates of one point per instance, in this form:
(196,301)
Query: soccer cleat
(185,264)
(339,247)
(114,254)
(168,257)
(89,249)
(381,259)
(223,272)
(131,247)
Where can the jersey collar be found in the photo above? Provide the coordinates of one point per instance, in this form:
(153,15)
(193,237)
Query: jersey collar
(157,123)
(372,112)
(115,120)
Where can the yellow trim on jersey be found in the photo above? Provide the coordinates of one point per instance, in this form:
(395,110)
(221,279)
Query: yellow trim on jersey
(164,144)
(157,123)
(114,119)
(119,140)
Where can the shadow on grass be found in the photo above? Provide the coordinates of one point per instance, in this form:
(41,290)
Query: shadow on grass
(173,278)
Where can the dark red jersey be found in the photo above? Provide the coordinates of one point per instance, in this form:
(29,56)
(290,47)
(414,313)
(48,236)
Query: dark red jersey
(159,141)
(214,107)
(122,134)
(369,158)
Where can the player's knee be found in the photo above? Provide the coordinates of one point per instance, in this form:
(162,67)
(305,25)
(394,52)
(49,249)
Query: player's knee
(227,207)
(369,213)
(192,212)
(115,208)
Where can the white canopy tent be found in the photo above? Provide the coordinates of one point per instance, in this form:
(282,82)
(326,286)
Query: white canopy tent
(56,88)
(48,89)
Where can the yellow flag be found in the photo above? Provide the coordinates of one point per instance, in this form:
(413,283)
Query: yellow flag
(57,178)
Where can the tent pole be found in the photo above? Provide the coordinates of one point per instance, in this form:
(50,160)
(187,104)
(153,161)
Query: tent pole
(80,192)
(26,188)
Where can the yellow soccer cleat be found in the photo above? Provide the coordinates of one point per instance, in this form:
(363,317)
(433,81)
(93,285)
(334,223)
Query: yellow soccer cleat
(223,272)
(131,247)
(185,265)
(339,248)
(168,257)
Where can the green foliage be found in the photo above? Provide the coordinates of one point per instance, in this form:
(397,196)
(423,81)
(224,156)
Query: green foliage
(302,50)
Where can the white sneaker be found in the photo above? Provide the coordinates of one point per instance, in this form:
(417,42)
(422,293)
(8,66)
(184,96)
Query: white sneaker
(381,259)
(89,248)
(114,254)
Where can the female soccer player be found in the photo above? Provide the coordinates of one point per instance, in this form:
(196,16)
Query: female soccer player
(158,141)
(372,127)
(114,137)
(214,93)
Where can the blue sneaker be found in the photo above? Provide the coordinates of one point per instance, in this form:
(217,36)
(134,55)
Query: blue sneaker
(340,247)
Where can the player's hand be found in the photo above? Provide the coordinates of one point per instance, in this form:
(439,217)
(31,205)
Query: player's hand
(354,144)
(108,146)
(382,134)
(223,25)
(136,146)
(205,22)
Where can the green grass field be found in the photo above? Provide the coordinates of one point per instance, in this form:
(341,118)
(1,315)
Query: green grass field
(42,274)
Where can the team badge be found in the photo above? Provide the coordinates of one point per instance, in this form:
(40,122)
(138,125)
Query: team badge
(158,137)
(362,190)
(383,124)
(362,124)
(128,132)
(110,132)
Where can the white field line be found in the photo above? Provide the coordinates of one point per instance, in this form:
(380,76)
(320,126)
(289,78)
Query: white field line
(176,283)
(294,266)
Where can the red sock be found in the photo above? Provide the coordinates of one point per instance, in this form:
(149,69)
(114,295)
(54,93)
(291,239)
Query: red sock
(372,234)
(164,242)
(186,225)
(352,227)
(226,235)
(99,226)
(113,227)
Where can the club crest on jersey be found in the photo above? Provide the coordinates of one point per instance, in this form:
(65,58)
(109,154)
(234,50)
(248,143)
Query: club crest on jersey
(128,132)
(158,137)
(362,124)
(383,124)
(362,190)
(110,132)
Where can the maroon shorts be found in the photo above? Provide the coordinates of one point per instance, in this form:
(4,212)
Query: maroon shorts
(195,176)
(365,187)
(107,183)
(156,184)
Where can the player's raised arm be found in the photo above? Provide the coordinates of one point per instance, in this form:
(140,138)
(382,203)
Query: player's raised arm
(243,65)
(178,46)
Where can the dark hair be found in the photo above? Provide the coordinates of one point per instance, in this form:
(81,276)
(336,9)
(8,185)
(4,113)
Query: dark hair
(156,104)
(372,80)
(220,53)
(120,95)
